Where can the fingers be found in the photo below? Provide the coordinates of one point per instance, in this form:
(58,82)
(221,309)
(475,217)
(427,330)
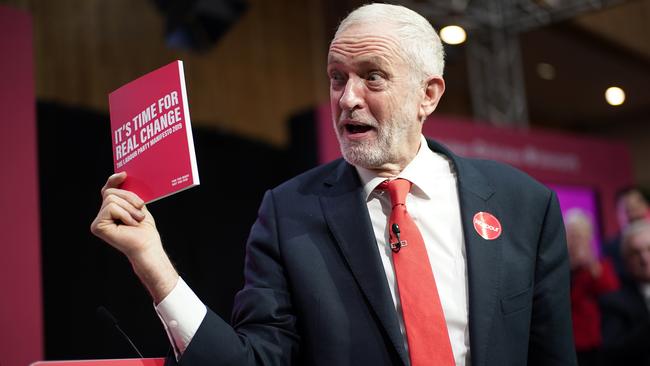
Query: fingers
(111,188)
(105,222)
(113,211)
(123,220)
(119,202)
(135,211)
(114,181)
(128,196)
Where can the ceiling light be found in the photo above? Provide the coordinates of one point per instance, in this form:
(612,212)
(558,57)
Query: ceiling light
(546,71)
(453,34)
(615,95)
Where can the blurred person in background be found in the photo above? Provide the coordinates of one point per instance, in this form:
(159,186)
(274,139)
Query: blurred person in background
(626,313)
(632,205)
(590,278)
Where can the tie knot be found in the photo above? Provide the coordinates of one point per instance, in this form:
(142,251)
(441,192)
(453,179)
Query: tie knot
(397,188)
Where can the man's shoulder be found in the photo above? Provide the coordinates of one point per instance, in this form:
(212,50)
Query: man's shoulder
(500,176)
(503,173)
(312,180)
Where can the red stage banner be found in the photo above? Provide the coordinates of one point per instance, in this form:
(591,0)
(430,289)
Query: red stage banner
(20,234)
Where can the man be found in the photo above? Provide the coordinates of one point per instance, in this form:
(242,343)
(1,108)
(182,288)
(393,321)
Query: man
(631,206)
(626,313)
(331,275)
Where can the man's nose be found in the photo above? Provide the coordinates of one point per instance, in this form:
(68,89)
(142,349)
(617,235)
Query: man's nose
(352,97)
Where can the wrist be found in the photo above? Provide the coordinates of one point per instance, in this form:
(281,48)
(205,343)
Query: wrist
(155,270)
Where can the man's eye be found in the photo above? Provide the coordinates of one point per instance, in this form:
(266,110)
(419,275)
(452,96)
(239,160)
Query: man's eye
(336,78)
(374,76)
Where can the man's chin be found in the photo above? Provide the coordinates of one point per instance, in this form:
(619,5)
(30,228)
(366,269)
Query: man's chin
(363,157)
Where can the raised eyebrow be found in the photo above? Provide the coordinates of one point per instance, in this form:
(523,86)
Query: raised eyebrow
(373,60)
(333,58)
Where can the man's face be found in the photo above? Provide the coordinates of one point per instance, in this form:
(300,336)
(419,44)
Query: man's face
(637,255)
(632,207)
(375,97)
(579,236)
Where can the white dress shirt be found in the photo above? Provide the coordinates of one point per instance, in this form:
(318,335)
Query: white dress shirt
(433,205)
(181,313)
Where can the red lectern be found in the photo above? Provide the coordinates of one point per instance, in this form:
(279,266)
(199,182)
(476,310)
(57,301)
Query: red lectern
(120,362)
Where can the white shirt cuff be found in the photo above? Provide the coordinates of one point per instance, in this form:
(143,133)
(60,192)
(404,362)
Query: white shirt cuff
(181,313)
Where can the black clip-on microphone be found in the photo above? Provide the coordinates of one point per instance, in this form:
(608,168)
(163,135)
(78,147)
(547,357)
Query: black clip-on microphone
(395,247)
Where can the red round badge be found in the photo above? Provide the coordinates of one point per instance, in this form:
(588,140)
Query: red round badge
(487,226)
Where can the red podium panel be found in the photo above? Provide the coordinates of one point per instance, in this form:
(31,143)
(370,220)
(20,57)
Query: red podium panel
(118,362)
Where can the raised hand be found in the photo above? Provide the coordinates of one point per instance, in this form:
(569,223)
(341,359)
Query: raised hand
(124,222)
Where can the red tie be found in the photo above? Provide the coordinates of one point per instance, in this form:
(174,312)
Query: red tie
(426,329)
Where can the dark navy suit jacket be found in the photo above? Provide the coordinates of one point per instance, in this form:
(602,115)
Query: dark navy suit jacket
(316,292)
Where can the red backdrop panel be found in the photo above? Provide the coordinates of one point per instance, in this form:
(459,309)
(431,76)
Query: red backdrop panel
(20,275)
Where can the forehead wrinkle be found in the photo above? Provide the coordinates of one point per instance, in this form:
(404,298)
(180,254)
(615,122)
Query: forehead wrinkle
(363,57)
(358,42)
(356,38)
(382,48)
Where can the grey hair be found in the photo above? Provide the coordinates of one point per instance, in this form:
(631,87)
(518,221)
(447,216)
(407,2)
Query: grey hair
(577,216)
(417,38)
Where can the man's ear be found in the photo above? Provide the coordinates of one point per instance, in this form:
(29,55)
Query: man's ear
(434,88)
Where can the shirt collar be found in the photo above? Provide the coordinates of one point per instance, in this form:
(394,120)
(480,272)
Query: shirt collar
(422,171)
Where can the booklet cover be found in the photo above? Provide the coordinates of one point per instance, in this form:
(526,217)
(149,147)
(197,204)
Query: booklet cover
(152,134)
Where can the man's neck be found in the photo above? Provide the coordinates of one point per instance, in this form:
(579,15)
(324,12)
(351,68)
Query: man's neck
(393,169)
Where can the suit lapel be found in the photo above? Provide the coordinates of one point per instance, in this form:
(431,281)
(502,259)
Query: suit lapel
(483,256)
(347,216)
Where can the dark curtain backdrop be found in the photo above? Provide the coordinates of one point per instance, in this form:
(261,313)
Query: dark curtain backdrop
(204,229)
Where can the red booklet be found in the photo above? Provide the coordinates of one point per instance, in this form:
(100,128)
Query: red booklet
(152,134)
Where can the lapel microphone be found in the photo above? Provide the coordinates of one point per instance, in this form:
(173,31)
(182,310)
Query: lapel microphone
(395,247)
(106,315)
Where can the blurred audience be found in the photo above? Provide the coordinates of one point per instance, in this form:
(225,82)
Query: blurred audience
(631,206)
(626,313)
(590,278)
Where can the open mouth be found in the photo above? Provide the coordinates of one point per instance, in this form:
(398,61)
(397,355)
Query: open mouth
(356,129)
